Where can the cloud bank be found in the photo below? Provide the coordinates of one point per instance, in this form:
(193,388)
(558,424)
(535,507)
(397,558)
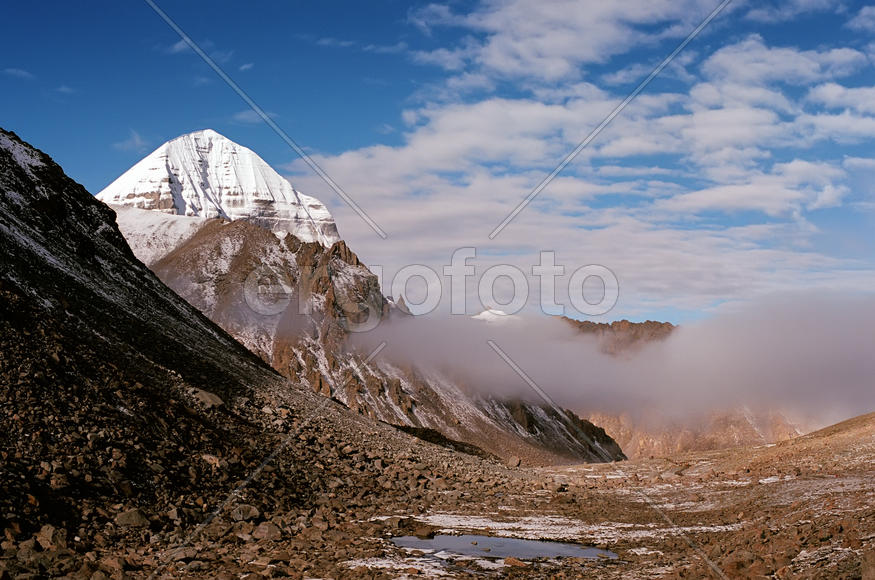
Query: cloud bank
(808,355)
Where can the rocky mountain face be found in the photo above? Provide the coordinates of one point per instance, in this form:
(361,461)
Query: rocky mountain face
(127,418)
(642,434)
(294,303)
(206,175)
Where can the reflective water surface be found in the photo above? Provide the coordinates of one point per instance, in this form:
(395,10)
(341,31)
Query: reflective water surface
(493,547)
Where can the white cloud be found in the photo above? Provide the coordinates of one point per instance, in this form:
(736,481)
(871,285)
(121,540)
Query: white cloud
(250,117)
(415,189)
(752,62)
(385,129)
(400,46)
(835,96)
(724,93)
(335,42)
(332,42)
(432,15)
(865,163)
(181,46)
(178,47)
(65,90)
(785,191)
(845,127)
(247,66)
(551,40)
(453,59)
(627,171)
(864,21)
(19,73)
(711,129)
(635,73)
(133,143)
(222,56)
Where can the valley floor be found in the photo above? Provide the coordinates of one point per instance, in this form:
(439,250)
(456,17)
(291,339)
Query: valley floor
(803,508)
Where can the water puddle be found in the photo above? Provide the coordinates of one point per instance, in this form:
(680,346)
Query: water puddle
(494,547)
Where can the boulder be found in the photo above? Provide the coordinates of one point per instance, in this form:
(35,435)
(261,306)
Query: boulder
(132,518)
(208,399)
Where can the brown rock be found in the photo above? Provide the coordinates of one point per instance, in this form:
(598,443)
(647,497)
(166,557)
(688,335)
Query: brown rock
(244,512)
(208,399)
(112,564)
(186,553)
(49,537)
(267,531)
(133,518)
(424,532)
(515,563)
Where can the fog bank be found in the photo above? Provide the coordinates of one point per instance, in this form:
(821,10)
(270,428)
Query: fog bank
(810,356)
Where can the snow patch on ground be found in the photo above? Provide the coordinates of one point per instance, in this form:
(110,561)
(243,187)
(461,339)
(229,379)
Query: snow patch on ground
(562,528)
(642,551)
(428,567)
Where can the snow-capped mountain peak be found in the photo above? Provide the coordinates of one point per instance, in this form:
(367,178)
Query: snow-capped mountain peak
(492,315)
(206,175)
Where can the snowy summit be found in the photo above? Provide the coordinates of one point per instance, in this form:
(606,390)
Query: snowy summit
(204,174)
(492,315)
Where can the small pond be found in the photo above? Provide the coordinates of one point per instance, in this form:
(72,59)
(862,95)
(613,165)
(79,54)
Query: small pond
(494,547)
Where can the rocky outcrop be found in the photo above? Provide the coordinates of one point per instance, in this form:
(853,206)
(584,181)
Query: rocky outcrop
(622,336)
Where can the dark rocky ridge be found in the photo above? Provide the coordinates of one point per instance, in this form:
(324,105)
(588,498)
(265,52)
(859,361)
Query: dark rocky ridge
(100,375)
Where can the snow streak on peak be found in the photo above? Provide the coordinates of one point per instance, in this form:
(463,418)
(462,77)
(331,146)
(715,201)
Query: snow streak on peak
(206,175)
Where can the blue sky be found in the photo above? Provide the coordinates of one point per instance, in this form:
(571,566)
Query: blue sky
(122,73)
(745,169)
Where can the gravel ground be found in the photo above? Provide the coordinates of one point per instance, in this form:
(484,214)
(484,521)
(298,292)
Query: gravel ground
(802,509)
